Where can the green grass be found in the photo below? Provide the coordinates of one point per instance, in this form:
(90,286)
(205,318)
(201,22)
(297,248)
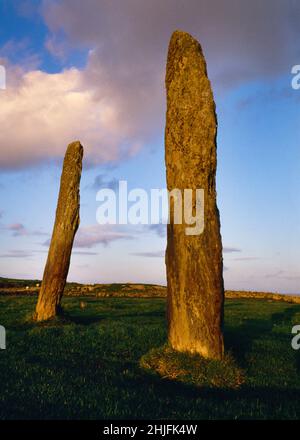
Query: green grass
(192,369)
(87,367)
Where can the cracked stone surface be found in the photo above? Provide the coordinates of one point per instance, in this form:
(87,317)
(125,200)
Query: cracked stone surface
(194,262)
(65,227)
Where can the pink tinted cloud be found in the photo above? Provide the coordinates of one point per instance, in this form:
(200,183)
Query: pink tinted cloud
(116,104)
(19,230)
(50,110)
(93,235)
(131,36)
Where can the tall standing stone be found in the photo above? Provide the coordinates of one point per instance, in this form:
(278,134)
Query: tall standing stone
(65,227)
(194,262)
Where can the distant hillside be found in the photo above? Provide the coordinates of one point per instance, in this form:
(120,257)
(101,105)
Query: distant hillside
(125,290)
(10,282)
(118,290)
(31,287)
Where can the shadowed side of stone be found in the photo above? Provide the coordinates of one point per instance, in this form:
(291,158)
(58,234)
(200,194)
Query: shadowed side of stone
(65,227)
(194,262)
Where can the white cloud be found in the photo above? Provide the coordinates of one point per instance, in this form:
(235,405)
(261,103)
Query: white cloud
(116,104)
(41,113)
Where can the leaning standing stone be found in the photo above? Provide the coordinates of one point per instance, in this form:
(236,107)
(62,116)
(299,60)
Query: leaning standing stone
(194,262)
(65,227)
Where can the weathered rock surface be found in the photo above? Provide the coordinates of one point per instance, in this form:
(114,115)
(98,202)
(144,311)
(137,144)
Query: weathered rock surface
(194,262)
(65,227)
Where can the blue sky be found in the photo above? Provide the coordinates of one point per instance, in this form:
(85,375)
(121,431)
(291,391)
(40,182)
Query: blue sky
(103,83)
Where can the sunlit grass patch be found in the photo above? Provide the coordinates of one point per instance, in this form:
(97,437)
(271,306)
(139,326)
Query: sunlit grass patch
(193,369)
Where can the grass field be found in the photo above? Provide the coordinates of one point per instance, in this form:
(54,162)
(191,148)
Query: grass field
(88,366)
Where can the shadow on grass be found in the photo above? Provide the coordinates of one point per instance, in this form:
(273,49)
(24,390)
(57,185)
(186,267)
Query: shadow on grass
(218,403)
(239,340)
(174,389)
